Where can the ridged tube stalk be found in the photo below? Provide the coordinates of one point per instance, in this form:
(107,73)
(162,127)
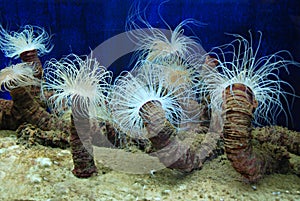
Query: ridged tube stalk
(81,148)
(238,106)
(10,118)
(173,152)
(32,112)
(32,56)
(252,162)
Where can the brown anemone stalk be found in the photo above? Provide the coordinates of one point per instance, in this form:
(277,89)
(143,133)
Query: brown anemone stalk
(31,56)
(81,147)
(24,108)
(175,153)
(159,129)
(252,162)
(10,118)
(32,112)
(81,140)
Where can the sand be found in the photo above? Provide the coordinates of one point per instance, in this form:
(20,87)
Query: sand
(44,173)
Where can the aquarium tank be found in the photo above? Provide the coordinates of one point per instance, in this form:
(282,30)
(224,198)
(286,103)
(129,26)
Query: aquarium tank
(149,100)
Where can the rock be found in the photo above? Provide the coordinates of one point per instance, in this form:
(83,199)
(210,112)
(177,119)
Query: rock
(44,162)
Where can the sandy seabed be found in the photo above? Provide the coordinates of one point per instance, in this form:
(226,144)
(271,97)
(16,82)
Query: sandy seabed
(44,173)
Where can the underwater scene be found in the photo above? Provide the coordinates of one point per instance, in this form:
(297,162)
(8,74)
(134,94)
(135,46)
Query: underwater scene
(149,100)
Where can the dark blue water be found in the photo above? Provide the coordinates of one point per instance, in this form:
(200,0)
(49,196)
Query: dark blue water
(80,26)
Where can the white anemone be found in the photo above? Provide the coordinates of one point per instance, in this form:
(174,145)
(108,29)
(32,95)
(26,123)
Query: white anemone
(132,91)
(238,63)
(19,75)
(158,43)
(29,38)
(83,84)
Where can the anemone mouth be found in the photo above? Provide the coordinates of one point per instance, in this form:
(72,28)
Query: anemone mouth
(146,108)
(180,71)
(19,75)
(78,83)
(28,38)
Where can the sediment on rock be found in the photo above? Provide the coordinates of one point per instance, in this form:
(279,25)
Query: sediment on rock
(30,135)
(279,136)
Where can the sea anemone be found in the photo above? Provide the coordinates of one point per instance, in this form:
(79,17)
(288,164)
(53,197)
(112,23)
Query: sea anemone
(158,44)
(19,75)
(178,55)
(238,63)
(174,71)
(29,38)
(132,91)
(83,84)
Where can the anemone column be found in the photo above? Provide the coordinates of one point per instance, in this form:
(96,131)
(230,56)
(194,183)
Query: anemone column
(81,147)
(175,153)
(9,116)
(80,85)
(251,162)
(32,56)
(159,129)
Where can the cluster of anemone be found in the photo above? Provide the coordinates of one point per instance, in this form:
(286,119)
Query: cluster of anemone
(19,75)
(12,44)
(170,61)
(80,83)
(238,62)
(177,54)
(28,38)
(167,70)
(131,91)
